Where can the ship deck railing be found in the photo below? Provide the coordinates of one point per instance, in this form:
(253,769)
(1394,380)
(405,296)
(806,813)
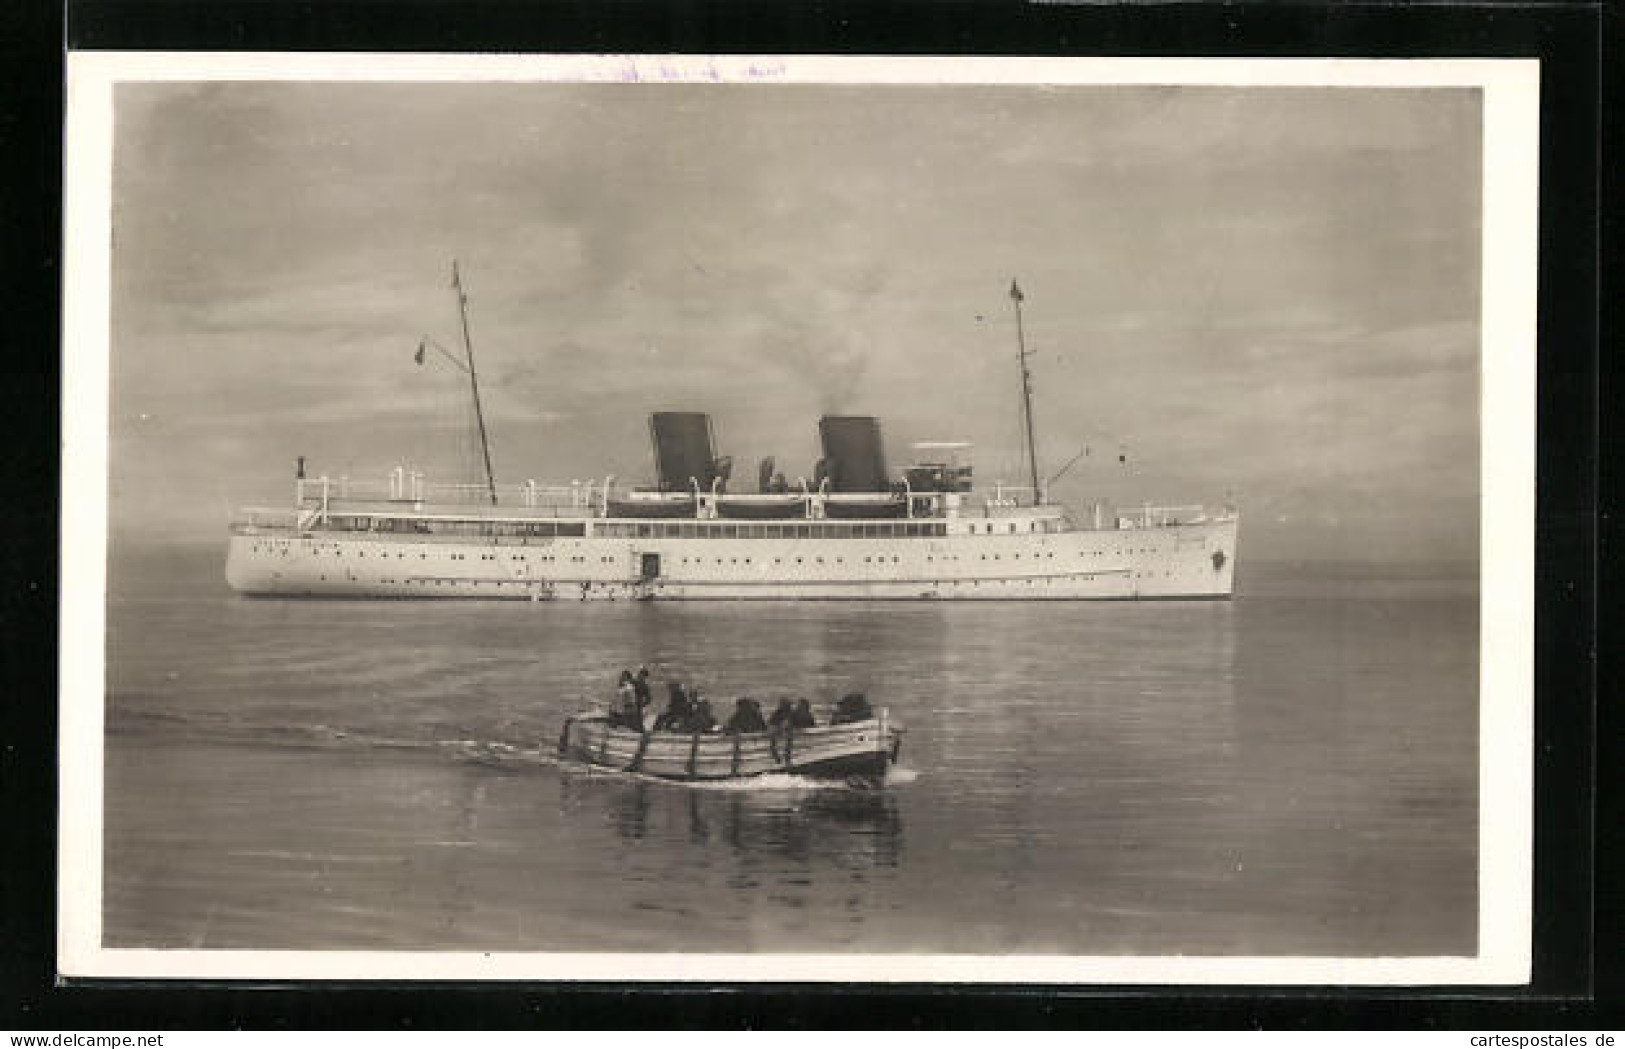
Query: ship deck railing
(1148,516)
(405,493)
(255,518)
(410,487)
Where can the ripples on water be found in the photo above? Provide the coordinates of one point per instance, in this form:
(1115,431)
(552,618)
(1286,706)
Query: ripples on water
(1293,772)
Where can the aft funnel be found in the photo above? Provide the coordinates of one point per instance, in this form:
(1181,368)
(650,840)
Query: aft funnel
(854,458)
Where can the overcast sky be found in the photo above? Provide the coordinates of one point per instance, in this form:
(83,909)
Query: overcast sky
(1268,292)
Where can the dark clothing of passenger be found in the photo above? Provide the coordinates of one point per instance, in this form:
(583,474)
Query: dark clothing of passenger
(852,707)
(782,714)
(640,685)
(627,718)
(700,718)
(625,712)
(802,716)
(747,717)
(675,717)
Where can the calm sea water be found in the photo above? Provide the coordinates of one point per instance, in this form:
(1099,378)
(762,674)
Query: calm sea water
(1293,772)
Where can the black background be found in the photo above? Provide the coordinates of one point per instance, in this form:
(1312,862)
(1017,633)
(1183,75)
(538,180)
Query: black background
(1577,975)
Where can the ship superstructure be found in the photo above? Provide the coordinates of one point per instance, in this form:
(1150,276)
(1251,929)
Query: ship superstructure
(928,535)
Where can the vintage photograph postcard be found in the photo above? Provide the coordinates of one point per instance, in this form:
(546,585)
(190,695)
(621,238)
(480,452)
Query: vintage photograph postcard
(763,518)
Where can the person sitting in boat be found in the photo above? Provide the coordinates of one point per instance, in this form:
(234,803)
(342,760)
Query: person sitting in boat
(747,717)
(851,707)
(700,718)
(802,716)
(782,714)
(678,708)
(625,713)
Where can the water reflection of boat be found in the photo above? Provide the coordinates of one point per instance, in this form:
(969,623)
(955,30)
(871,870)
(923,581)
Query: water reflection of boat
(853,829)
(769,827)
(857,748)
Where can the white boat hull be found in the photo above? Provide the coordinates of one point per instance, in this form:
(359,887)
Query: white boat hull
(861,748)
(1175,561)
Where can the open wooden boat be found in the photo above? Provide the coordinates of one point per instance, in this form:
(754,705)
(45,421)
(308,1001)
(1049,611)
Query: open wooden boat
(857,748)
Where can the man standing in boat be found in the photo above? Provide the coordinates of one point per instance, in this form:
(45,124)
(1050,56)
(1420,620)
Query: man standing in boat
(640,686)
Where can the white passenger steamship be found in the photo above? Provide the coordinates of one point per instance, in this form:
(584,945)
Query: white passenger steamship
(850,532)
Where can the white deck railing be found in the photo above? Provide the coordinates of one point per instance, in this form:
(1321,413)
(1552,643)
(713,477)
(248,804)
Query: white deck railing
(1148,516)
(407,492)
(265,517)
(410,486)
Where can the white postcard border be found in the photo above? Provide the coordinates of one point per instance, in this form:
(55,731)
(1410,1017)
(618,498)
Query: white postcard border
(1507,448)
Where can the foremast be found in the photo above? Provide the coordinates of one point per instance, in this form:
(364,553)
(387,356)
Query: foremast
(473,379)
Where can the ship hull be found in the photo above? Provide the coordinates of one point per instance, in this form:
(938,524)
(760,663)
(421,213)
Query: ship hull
(1170,562)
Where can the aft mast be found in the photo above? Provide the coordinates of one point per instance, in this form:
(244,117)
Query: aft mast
(473,379)
(1016,298)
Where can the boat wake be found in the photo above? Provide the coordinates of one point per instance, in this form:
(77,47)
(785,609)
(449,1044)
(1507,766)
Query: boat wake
(767,783)
(230,729)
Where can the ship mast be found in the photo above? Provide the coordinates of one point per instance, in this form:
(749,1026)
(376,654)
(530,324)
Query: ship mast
(473,379)
(1016,298)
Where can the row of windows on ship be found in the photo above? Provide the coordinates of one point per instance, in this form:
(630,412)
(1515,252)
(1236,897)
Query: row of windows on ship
(689,529)
(284,549)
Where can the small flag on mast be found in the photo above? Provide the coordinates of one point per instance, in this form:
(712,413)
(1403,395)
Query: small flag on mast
(423,344)
(1015,293)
